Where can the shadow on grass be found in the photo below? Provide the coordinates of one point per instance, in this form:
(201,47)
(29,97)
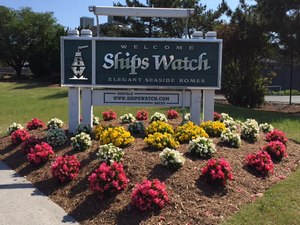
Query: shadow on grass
(210,190)
(91,206)
(55,96)
(133,216)
(29,84)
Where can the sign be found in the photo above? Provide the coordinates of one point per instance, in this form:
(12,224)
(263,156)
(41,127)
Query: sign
(142,98)
(141,63)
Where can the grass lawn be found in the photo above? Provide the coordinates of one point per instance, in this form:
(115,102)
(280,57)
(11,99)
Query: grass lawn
(20,102)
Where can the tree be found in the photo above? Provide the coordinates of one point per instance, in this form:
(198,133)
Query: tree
(24,35)
(246,48)
(170,27)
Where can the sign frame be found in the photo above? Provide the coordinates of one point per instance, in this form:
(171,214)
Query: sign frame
(143,40)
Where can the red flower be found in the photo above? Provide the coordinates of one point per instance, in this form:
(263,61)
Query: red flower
(172,114)
(261,162)
(35,124)
(217,171)
(141,115)
(40,153)
(149,195)
(108,179)
(19,136)
(65,168)
(29,143)
(109,115)
(217,116)
(276,135)
(276,150)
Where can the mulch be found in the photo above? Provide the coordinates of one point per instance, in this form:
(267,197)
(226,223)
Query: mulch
(191,200)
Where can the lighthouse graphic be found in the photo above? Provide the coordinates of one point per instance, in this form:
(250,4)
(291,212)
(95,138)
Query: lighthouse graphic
(78,65)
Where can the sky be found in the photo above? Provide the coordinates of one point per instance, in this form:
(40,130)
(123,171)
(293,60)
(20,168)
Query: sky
(68,12)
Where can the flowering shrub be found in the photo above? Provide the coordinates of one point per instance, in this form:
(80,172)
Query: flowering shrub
(276,150)
(230,138)
(149,195)
(13,127)
(127,118)
(217,172)
(261,162)
(141,115)
(110,153)
(116,135)
(99,129)
(172,114)
(276,135)
(159,126)
(65,168)
(188,132)
(265,127)
(225,116)
(56,137)
(41,153)
(187,117)
(18,136)
(35,124)
(108,179)
(83,128)
(213,128)
(158,116)
(231,125)
(81,142)
(96,120)
(202,147)
(55,123)
(136,127)
(161,141)
(250,130)
(217,116)
(29,143)
(171,159)
(109,115)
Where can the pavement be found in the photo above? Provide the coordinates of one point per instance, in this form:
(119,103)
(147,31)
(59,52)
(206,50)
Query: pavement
(23,204)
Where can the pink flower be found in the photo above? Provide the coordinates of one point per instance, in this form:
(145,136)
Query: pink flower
(276,135)
(35,124)
(261,162)
(172,114)
(40,153)
(18,136)
(141,115)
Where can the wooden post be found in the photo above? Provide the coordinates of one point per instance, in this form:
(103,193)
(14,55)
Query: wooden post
(195,109)
(209,95)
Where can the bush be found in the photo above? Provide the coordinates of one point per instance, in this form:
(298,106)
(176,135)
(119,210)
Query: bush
(55,123)
(277,135)
(29,143)
(231,139)
(81,142)
(266,128)
(276,150)
(161,141)
(250,130)
(108,179)
(136,127)
(65,168)
(40,154)
(172,114)
(149,195)
(217,172)
(158,117)
(202,147)
(83,128)
(35,124)
(141,115)
(13,127)
(56,137)
(110,154)
(18,136)
(109,115)
(260,162)
(118,136)
(99,129)
(96,120)
(127,118)
(188,132)
(159,126)
(171,159)
(213,128)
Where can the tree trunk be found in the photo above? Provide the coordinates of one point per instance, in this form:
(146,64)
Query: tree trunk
(18,69)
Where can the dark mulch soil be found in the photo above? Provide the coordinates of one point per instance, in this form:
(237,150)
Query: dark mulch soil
(191,200)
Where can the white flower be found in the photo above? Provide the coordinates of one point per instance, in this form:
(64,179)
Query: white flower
(265,127)
(171,158)
(231,138)
(109,153)
(127,118)
(201,147)
(13,127)
(81,141)
(158,116)
(55,123)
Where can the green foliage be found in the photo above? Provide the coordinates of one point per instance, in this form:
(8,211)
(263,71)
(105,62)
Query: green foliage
(246,46)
